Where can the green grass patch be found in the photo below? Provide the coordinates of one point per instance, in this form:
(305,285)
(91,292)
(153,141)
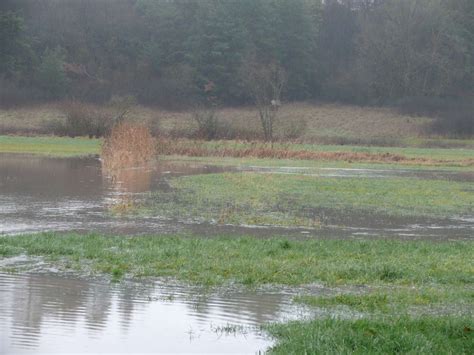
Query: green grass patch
(254,261)
(395,299)
(54,146)
(301,200)
(403,335)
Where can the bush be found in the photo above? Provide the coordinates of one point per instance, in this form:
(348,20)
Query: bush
(83,120)
(208,123)
(457,122)
(293,129)
(452,116)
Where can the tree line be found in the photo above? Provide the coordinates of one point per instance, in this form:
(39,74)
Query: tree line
(177,52)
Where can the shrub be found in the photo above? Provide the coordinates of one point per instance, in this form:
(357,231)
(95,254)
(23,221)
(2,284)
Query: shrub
(208,123)
(453,116)
(294,129)
(83,120)
(457,122)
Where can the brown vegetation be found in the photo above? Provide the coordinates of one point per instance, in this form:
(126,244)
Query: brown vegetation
(128,145)
(194,148)
(315,123)
(83,119)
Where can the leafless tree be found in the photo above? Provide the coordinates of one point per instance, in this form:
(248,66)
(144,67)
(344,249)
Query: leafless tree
(265,83)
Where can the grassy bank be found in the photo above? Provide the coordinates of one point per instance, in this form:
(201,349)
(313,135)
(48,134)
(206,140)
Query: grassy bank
(52,146)
(305,200)
(413,295)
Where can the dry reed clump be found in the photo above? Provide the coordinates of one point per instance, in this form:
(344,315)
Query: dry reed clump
(259,150)
(128,145)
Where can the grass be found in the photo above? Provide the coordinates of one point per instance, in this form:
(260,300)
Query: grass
(253,261)
(53,146)
(395,277)
(397,335)
(395,299)
(301,200)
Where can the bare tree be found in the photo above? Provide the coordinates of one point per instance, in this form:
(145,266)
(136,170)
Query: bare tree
(265,83)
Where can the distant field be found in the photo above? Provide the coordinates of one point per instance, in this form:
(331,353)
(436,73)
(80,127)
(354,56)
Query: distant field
(313,122)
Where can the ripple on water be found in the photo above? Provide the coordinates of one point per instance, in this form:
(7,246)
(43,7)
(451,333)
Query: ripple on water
(51,313)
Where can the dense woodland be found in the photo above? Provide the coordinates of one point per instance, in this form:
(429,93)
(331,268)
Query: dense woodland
(173,53)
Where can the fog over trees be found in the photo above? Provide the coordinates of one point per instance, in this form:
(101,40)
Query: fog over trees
(167,52)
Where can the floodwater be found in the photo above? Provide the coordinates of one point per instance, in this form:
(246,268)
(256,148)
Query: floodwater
(40,194)
(368,173)
(45,313)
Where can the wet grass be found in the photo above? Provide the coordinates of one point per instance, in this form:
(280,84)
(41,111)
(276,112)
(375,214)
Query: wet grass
(397,299)
(397,335)
(301,200)
(394,279)
(253,261)
(51,146)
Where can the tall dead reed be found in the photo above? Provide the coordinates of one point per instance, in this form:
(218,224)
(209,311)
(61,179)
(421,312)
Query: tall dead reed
(128,145)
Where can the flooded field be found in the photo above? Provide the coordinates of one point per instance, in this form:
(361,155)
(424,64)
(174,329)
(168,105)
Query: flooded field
(57,194)
(62,292)
(47,313)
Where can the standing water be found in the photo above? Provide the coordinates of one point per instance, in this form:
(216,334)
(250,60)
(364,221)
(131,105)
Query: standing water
(46,313)
(39,194)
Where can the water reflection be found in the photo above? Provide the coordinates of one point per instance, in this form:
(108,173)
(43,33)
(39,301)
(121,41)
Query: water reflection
(49,313)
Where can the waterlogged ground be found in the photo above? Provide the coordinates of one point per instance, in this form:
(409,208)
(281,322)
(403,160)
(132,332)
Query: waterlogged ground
(54,294)
(61,194)
(51,298)
(49,313)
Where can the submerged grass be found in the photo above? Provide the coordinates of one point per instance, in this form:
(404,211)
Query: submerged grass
(248,260)
(282,199)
